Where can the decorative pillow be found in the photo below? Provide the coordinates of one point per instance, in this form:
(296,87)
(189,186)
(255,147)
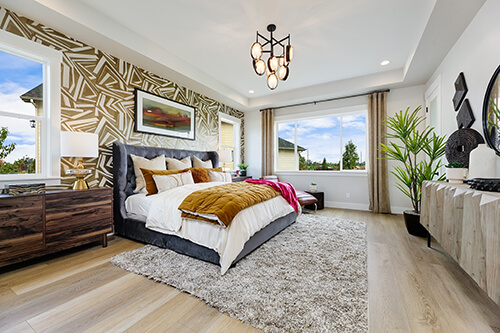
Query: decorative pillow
(197,163)
(200,175)
(167,182)
(220,176)
(175,164)
(149,180)
(157,163)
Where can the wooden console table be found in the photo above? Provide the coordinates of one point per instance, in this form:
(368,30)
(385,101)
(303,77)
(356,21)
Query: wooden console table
(466,223)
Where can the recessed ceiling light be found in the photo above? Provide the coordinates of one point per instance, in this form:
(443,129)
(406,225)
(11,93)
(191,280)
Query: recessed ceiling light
(251,91)
(385,63)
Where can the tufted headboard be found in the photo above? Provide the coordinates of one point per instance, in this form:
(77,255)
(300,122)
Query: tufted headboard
(123,171)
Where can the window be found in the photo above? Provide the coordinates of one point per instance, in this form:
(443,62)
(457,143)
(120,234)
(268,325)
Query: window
(329,142)
(29,109)
(229,138)
(21,106)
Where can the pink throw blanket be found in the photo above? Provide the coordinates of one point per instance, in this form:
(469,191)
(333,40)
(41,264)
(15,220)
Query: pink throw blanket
(287,190)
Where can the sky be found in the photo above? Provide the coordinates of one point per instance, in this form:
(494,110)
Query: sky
(17,76)
(321,136)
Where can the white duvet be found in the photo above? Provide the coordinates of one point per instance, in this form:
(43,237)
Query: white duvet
(164,217)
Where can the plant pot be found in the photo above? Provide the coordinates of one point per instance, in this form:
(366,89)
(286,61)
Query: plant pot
(412,222)
(456,175)
(243,173)
(313,188)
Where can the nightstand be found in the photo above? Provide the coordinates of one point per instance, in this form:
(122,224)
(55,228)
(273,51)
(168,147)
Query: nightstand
(321,200)
(240,178)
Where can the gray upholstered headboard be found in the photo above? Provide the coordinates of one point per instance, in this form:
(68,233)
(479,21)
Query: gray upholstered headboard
(123,169)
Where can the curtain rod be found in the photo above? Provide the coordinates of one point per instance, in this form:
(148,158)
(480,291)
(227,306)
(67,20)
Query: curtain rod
(327,100)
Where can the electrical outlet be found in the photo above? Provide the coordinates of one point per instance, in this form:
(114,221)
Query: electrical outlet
(348,195)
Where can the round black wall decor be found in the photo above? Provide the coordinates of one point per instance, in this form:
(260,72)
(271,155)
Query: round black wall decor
(460,144)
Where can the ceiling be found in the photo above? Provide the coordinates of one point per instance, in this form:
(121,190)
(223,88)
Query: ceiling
(205,45)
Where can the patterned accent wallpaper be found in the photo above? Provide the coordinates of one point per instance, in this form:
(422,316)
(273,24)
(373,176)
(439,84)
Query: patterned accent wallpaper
(97,96)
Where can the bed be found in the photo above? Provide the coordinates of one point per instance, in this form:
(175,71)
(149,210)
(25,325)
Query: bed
(133,225)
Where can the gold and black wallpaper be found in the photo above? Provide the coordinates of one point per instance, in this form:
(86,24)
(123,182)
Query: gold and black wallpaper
(97,96)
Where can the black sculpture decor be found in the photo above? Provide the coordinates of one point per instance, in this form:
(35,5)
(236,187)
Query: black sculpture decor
(460,144)
(465,117)
(460,91)
(485,184)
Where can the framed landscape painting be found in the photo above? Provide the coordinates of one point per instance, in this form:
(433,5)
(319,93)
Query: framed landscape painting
(159,115)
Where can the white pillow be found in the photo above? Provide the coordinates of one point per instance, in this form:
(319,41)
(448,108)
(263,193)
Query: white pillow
(167,182)
(157,163)
(197,163)
(175,164)
(219,176)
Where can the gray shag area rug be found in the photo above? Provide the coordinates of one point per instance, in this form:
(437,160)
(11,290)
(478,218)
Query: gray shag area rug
(311,277)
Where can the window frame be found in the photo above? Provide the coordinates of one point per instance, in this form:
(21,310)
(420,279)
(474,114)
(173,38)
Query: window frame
(51,119)
(330,112)
(236,122)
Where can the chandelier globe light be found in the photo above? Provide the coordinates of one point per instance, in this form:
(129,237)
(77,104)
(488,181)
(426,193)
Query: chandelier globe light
(277,66)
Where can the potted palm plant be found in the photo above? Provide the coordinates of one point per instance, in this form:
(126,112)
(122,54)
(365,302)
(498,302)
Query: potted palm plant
(420,152)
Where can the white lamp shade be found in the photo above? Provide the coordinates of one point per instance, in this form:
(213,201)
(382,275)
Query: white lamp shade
(79,144)
(225,155)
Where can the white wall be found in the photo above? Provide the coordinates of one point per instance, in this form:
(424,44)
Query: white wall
(400,99)
(477,54)
(342,189)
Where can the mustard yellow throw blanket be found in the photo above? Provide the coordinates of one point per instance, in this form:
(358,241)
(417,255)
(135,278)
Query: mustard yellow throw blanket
(220,204)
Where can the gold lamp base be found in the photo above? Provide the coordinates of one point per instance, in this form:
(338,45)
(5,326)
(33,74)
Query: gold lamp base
(80,173)
(80,185)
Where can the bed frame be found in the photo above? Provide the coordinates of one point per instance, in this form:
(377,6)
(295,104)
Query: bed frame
(133,227)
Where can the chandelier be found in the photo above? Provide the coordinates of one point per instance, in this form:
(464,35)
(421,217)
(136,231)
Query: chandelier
(277,65)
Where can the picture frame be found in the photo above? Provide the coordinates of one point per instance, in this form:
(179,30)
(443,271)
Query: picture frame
(159,115)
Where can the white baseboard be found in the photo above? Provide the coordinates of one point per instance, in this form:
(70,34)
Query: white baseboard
(359,206)
(398,209)
(346,205)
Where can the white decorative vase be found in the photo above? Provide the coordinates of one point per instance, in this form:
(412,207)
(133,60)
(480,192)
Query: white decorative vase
(313,188)
(456,175)
(482,162)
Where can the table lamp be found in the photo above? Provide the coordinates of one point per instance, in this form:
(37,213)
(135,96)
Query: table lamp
(79,144)
(225,155)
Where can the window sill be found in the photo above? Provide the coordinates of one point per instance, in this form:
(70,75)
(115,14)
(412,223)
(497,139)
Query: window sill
(324,173)
(23,179)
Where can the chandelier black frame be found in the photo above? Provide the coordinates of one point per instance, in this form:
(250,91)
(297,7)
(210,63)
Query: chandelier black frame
(277,66)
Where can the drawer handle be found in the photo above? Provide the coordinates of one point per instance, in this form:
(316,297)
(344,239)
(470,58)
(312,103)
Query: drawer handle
(85,197)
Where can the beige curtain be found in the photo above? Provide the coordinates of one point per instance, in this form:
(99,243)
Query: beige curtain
(267,125)
(378,175)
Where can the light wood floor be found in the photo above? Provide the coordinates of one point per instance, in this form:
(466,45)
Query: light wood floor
(411,289)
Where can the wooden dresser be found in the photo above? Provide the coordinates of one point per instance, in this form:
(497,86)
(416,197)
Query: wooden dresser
(33,225)
(466,223)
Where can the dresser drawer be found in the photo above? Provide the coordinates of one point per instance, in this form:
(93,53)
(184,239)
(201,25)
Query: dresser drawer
(77,217)
(21,226)
(61,202)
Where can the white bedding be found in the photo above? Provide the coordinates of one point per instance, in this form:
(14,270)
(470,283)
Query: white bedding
(138,204)
(163,216)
